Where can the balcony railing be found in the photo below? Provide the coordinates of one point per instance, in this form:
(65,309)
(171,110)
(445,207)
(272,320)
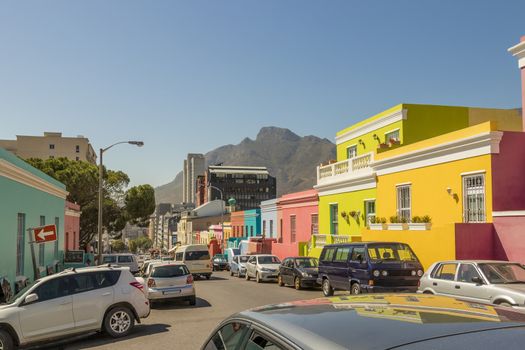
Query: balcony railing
(320,240)
(340,239)
(346,168)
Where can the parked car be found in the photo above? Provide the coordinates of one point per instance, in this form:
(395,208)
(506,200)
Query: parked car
(219,262)
(263,267)
(73,302)
(238,265)
(389,321)
(197,259)
(145,266)
(497,282)
(170,281)
(128,260)
(369,267)
(230,253)
(298,271)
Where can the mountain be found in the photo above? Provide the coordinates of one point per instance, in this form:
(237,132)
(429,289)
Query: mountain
(290,158)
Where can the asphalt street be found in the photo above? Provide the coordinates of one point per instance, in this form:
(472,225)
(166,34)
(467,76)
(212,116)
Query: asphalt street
(179,326)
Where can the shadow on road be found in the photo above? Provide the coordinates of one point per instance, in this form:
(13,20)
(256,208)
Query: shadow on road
(98,339)
(176,304)
(213,278)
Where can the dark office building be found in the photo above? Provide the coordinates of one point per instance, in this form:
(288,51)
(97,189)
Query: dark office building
(249,186)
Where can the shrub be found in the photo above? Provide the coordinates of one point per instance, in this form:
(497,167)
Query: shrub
(426,219)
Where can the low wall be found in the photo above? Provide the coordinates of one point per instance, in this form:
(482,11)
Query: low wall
(475,241)
(509,237)
(284,250)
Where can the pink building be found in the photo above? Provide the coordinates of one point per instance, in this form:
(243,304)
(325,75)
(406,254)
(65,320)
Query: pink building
(72,226)
(299,213)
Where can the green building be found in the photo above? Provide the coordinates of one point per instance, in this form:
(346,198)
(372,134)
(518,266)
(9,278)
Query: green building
(28,198)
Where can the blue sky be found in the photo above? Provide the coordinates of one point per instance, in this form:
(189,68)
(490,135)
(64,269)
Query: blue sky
(188,76)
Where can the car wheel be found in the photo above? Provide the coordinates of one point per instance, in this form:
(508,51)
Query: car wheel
(257,277)
(327,288)
(6,342)
(280,282)
(119,322)
(504,303)
(246,276)
(193,300)
(208,276)
(297,283)
(355,288)
(231,273)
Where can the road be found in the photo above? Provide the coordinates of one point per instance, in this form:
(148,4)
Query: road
(179,326)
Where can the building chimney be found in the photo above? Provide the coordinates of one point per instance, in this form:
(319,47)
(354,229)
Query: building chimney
(519,52)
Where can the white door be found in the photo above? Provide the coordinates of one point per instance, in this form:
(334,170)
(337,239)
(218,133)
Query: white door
(92,295)
(444,280)
(467,289)
(51,315)
(251,266)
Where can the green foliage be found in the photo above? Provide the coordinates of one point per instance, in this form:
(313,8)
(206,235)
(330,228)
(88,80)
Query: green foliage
(426,219)
(118,246)
(133,246)
(140,204)
(143,243)
(416,219)
(421,219)
(398,220)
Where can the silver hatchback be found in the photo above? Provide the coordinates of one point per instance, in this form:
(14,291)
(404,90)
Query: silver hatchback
(487,281)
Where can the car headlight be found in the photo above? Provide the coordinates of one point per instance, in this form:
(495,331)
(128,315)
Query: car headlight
(420,273)
(413,273)
(264,269)
(384,273)
(304,274)
(376,273)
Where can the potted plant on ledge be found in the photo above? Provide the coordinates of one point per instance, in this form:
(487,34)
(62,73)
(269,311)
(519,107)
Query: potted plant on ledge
(420,223)
(397,223)
(377,223)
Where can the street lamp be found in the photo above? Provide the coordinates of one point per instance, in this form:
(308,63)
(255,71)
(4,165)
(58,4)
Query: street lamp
(101,195)
(222,213)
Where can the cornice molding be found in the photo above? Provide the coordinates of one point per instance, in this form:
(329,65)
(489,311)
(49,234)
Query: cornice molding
(12,172)
(508,213)
(519,52)
(371,126)
(477,145)
(355,184)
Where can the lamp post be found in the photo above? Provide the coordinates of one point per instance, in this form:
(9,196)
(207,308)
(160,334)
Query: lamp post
(101,194)
(222,213)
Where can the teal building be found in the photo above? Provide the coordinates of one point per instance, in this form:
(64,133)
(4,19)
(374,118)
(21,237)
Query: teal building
(252,223)
(28,198)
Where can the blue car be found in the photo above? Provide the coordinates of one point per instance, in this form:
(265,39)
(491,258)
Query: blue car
(369,267)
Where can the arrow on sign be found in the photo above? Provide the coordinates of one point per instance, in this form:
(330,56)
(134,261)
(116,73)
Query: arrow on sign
(43,234)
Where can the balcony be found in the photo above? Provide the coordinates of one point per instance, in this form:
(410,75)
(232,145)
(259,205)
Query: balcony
(345,170)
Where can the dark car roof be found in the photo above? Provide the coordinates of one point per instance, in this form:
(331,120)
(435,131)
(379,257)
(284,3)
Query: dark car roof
(299,257)
(360,243)
(378,321)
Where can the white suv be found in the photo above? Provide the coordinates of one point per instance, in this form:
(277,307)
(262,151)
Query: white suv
(71,303)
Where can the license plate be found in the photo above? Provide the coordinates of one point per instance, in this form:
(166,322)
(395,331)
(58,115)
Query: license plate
(171,292)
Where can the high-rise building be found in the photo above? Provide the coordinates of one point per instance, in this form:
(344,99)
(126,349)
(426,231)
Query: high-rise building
(193,167)
(51,145)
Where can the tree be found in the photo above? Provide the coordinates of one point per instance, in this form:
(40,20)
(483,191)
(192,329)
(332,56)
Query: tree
(140,204)
(133,246)
(144,243)
(118,246)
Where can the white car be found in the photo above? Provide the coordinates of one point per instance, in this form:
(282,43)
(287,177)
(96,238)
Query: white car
(170,281)
(263,267)
(73,302)
(238,265)
(128,260)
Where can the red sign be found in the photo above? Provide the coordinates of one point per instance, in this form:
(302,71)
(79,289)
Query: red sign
(45,234)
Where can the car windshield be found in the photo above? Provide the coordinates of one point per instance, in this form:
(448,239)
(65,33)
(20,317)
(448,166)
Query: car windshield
(198,255)
(243,259)
(503,273)
(109,259)
(391,252)
(236,251)
(169,271)
(302,263)
(269,260)
(21,292)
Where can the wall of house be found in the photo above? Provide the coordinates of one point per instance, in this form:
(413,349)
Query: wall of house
(252,220)
(72,226)
(237,221)
(509,238)
(476,241)
(269,218)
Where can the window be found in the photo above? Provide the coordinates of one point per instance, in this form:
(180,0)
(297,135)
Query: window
(124,259)
(106,278)
(52,289)
(370,210)
(327,254)
(251,230)
(169,271)
(20,243)
(55,251)
(258,341)
(392,136)
(82,282)
(51,157)
(229,337)
(251,260)
(315,224)
(41,246)
(271,228)
(467,272)
(446,272)
(178,256)
(351,152)
(358,254)
(109,259)
(198,255)
(76,158)
(51,146)
(474,198)
(334,213)
(342,254)
(264,227)
(77,149)
(292,229)
(403,202)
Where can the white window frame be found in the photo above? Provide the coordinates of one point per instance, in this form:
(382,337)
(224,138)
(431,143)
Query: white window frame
(403,210)
(20,243)
(369,215)
(293,228)
(334,222)
(479,214)
(398,138)
(314,226)
(354,147)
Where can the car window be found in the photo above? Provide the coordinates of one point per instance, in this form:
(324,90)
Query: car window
(268,260)
(358,254)
(235,259)
(328,254)
(105,279)
(82,282)
(306,262)
(258,341)
(243,259)
(178,256)
(341,254)
(52,289)
(125,259)
(466,272)
(252,260)
(229,337)
(505,273)
(198,255)
(168,271)
(109,259)
(446,271)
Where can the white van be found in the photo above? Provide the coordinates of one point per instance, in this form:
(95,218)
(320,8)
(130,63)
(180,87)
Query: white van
(128,260)
(196,257)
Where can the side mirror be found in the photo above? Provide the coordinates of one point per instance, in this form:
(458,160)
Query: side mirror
(31,298)
(477,280)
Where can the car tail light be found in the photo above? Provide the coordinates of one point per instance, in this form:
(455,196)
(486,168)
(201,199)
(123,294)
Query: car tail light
(418,283)
(137,285)
(151,282)
(370,282)
(189,279)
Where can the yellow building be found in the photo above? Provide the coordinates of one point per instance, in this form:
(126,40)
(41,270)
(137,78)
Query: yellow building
(351,187)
